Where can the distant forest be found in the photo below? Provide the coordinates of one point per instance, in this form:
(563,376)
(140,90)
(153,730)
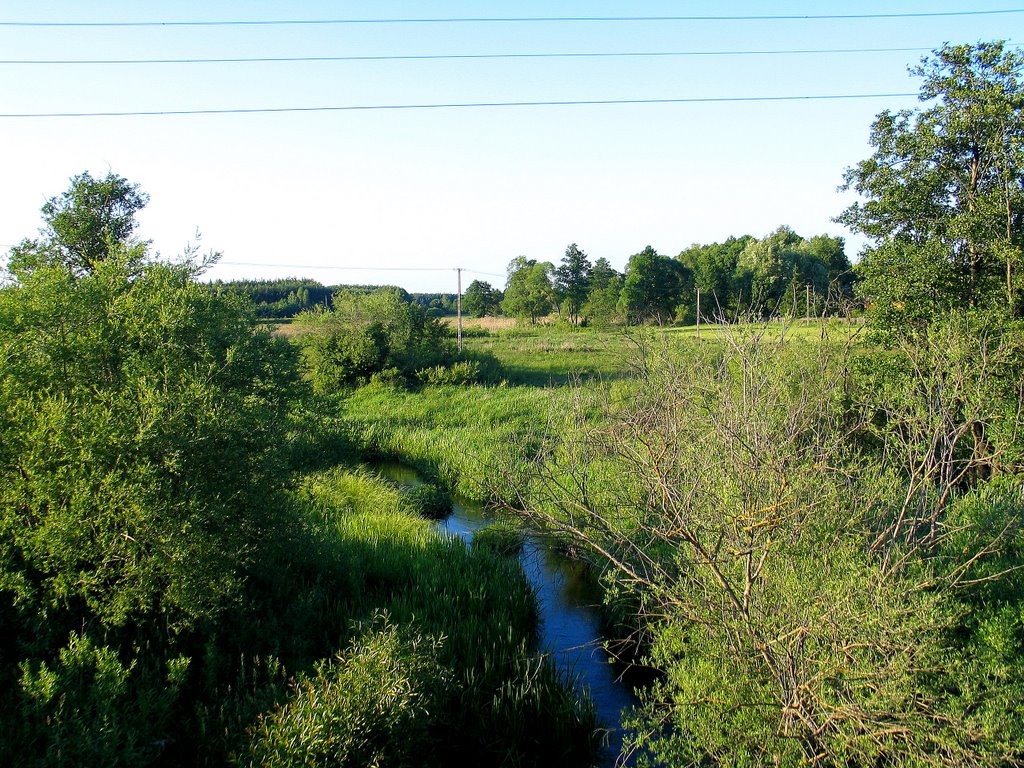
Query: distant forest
(285,298)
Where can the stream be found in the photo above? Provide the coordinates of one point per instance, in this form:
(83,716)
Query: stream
(569,605)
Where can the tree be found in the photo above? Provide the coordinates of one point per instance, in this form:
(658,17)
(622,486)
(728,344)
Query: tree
(944,191)
(529,292)
(713,267)
(141,417)
(602,273)
(84,223)
(605,290)
(766,271)
(572,281)
(481,299)
(652,287)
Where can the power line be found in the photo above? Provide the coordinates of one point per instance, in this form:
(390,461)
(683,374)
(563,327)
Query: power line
(355,269)
(434,57)
(327,266)
(508,19)
(454,105)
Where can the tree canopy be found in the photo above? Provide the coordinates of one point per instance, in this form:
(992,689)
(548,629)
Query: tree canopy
(572,281)
(943,193)
(481,299)
(529,292)
(84,223)
(653,287)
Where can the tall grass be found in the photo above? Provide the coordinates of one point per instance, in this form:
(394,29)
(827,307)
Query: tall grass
(452,434)
(456,651)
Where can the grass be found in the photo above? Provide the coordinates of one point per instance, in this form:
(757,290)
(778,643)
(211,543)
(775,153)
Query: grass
(431,629)
(552,355)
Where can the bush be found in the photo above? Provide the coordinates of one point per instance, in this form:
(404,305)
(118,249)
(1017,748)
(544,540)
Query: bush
(370,706)
(367,334)
(465,372)
(87,707)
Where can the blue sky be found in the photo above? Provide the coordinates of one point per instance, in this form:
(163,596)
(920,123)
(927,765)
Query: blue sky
(335,195)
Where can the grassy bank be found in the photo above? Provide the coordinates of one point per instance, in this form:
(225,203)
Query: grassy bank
(436,661)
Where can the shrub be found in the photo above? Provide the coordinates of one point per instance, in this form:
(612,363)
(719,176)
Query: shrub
(367,334)
(464,372)
(370,706)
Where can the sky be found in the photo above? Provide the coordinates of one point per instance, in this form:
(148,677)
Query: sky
(405,196)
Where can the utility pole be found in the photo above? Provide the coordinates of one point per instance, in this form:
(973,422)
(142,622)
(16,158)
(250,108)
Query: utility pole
(808,303)
(458,304)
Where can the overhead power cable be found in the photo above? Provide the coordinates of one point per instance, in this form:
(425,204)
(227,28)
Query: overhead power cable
(445,56)
(454,105)
(354,269)
(508,19)
(328,266)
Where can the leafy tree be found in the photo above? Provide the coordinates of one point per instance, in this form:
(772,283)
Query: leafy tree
(602,273)
(83,223)
(481,299)
(605,290)
(713,267)
(652,287)
(944,191)
(766,271)
(140,417)
(529,292)
(572,281)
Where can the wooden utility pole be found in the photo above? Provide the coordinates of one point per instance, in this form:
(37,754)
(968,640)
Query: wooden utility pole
(458,304)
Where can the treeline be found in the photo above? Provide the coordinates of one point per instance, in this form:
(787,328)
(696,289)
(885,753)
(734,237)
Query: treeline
(287,297)
(781,275)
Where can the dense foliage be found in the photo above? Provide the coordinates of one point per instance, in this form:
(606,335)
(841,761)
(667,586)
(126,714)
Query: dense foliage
(943,193)
(279,298)
(383,337)
(808,596)
(481,299)
(175,591)
(140,419)
(780,275)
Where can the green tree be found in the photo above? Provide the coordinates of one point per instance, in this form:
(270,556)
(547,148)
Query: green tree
(481,299)
(602,273)
(766,273)
(529,292)
(944,191)
(84,223)
(140,420)
(652,288)
(572,281)
(602,303)
(713,267)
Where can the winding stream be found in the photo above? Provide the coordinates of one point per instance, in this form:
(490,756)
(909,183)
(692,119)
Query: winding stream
(568,601)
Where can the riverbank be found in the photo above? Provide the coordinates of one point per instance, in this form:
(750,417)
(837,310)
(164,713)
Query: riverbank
(569,607)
